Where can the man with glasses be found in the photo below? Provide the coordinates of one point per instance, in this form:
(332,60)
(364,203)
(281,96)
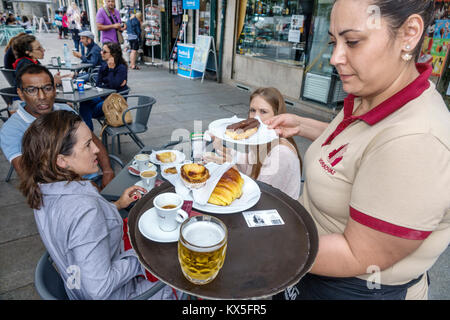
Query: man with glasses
(36,87)
(109,22)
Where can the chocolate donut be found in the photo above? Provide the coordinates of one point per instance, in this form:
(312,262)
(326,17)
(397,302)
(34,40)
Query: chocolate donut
(242,129)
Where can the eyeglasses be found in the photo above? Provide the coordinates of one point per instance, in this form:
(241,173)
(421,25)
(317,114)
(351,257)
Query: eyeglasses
(103,51)
(33,91)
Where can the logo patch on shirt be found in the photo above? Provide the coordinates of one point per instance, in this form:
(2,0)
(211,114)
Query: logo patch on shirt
(336,155)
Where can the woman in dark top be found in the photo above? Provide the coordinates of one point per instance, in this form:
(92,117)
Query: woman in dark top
(113,74)
(27,50)
(9,57)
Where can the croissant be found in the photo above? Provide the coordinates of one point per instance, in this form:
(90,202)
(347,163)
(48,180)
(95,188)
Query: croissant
(227,189)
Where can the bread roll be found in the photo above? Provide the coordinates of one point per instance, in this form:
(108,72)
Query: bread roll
(166,157)
(227,189)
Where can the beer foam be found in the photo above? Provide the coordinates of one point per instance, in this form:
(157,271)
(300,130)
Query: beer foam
(203,234)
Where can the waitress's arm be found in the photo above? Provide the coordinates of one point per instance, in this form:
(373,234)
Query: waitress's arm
(358,248)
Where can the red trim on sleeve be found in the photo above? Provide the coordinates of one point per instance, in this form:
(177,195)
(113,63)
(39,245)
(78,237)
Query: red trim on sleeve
(387,227)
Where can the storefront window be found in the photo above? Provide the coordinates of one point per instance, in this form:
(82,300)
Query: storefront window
(204,22)
(274,29)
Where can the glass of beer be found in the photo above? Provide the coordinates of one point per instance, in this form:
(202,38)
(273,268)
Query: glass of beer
(202,247)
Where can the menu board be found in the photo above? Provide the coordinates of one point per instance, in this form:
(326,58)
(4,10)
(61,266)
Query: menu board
(201,53)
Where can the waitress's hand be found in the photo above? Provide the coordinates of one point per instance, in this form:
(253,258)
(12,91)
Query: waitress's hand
(129,196)
(224,153)
(286,125)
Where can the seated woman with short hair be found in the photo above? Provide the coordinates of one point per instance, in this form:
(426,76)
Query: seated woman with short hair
(83,232)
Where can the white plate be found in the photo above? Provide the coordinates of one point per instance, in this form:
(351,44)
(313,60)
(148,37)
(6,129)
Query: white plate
(140,183)
(179,157)
(238,205)
(218,128)
(150,165)
(148,226)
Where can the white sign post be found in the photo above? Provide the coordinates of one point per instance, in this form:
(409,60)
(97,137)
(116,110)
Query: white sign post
(202,50)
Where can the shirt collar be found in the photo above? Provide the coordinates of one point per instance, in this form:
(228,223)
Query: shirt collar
(398,100)
(27,117)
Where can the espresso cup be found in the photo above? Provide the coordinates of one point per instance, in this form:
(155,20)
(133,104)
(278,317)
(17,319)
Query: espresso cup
(142,160)
(168,208)
(148,178)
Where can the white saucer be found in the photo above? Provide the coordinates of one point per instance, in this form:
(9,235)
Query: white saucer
(148,226)
(141,184)
(150,166)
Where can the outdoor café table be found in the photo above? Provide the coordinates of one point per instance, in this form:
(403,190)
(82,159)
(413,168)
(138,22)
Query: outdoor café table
(123,180)
(75,67)
(76,97)
(260,261)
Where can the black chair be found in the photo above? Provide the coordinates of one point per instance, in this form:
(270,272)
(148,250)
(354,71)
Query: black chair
(50,285)
(10,75)
(8,94)
(139,124)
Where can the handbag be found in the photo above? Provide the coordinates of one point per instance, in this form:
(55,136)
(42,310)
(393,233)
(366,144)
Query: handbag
(113,108)
(118,32)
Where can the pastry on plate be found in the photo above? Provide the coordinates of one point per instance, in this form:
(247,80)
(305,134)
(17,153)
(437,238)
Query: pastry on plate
(171,170)
(228,189)
(194,175)
(242,129)
(166,157)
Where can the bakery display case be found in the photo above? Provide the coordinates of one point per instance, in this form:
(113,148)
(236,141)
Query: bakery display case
(321,83)
(274,29)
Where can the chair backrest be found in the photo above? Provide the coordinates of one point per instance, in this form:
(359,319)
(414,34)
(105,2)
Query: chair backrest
(10,75)
(8,94)
(143,108)
(47,280)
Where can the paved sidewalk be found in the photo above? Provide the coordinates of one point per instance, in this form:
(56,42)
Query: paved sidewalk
(181,103)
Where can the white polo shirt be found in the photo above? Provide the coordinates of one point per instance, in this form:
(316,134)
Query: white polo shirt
(389,170)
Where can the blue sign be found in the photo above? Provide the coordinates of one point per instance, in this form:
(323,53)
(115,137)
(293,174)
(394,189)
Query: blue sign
(185,54)
(191,4)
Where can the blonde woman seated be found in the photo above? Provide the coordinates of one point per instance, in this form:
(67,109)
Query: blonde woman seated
(83,232)
(277,163)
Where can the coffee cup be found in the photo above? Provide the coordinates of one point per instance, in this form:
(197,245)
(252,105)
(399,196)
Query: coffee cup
(148,178)
(168,208)
(142,161)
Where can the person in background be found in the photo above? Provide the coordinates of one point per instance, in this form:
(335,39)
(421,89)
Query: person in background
(377,178)
(109,22)
(58,23)
(77,225)
(134,37)
(93,54)
(10,57)
(36,88)
(26,24)
(113,74)
(11,21)
(65,25)
(278,163)
(74,16)
(85,25)
(28,50)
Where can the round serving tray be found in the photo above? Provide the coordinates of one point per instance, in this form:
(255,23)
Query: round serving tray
(260,261)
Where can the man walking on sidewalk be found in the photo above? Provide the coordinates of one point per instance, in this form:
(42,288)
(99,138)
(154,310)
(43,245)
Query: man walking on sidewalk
(109,23)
